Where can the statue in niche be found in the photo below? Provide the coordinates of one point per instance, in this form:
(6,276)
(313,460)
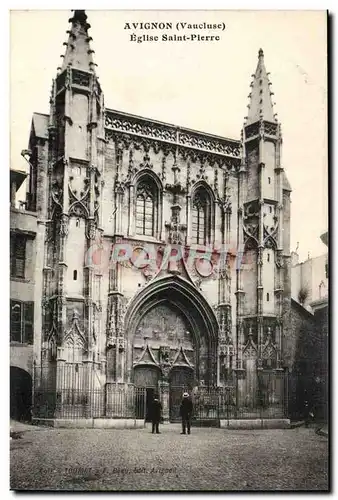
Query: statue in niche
(171,334)
(165,371)
(178,336)
(223,368)
(164,354)
(202,369)
(156,334)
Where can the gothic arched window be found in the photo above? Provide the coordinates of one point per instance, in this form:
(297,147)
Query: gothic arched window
(201,217)
(146,207)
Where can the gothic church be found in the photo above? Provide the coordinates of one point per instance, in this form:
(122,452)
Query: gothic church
(163,253)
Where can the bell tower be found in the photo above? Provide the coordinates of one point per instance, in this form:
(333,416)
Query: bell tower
(263,231)
(75,170)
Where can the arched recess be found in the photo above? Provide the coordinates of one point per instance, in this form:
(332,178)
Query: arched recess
(20,394)
(202,214)
(146,376)
(147,204)
(201,320)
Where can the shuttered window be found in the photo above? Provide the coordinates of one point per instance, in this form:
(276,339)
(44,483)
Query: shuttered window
(18,255)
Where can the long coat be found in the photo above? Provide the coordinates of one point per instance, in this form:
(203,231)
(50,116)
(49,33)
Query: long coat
(186,408)
(155,411)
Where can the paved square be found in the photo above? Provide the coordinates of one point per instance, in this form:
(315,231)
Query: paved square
(208,459)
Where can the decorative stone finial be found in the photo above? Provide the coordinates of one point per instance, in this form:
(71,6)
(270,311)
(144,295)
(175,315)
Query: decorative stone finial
(80,16)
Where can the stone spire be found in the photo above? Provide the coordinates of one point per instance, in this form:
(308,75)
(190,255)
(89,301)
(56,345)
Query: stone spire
(78,52)
(261,106)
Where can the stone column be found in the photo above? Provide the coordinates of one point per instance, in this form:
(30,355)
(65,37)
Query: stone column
(164,398)
(188,219)
(87,384)
(131,210)
(60,381)
(240,248)
(120,366)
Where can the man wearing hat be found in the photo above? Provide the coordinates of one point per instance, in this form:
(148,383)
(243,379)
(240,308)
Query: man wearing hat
(155,415)
(186,412)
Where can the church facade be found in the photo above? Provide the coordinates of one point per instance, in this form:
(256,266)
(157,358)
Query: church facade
(164,253)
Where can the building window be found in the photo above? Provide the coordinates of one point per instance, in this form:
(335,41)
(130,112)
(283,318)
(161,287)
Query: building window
(267,297)
(75,275)
(269,180)
(18,255)
(268,257)
(201,217)
(21,321)
(146,207)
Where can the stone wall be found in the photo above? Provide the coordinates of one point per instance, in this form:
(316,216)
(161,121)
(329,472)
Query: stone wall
(310,275)
(21,356)
(321,360)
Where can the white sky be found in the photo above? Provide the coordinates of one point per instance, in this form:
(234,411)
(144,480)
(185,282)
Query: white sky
(198,85)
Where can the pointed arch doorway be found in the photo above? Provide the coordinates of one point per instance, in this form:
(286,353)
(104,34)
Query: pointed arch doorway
(165,355)
(172,333)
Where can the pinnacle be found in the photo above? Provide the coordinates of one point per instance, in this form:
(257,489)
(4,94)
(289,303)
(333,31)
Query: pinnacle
(80,16)
(260,106)
(78,52)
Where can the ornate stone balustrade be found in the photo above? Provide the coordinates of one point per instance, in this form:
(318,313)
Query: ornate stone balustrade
(121,122)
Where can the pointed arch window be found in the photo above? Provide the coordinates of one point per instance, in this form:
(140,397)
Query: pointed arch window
(146,207)
(201,217)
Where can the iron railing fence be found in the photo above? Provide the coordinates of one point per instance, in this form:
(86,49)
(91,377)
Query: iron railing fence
(126,402)
(75,392)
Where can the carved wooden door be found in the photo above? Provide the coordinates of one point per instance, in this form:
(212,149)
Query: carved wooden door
(181,380)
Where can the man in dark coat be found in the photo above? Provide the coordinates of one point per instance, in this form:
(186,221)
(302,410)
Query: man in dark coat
(155,415)
(308,413)
(186,412)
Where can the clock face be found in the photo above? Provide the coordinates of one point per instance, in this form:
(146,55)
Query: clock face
(204,267)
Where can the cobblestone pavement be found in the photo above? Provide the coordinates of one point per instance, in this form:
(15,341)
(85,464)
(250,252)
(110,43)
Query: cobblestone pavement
(208,459)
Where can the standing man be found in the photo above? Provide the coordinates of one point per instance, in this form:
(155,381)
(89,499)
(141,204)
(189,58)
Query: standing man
(186,412)
(155,413)
(308,413)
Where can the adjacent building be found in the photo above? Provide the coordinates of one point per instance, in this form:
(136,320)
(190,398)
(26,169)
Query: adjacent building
(309,279)
(23,230)
(309,370)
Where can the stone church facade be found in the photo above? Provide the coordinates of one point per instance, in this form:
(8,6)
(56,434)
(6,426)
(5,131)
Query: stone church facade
(164,252)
